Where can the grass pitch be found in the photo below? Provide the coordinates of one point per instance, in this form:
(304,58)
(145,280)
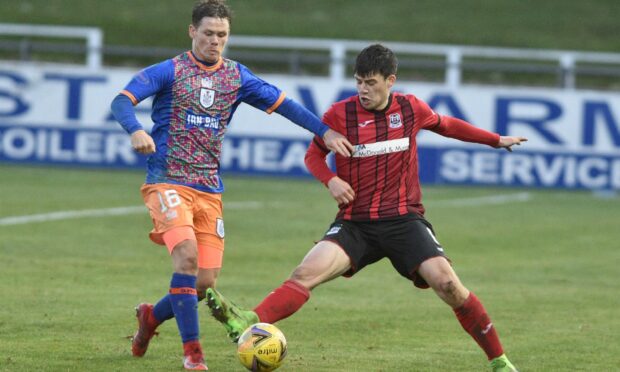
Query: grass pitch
(546,270)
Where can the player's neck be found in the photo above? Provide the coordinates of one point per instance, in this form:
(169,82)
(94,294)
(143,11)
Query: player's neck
(206,63)
(384,105)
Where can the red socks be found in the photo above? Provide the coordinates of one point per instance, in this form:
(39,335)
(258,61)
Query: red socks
(476,322)
(192,349)
(291,296)
(282,302)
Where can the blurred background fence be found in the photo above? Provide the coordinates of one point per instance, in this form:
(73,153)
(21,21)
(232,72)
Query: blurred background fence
(448,64)
(56,83)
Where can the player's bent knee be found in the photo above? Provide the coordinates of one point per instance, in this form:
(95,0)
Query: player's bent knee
(448,288)
(305,276)
(452,292)
(301,273)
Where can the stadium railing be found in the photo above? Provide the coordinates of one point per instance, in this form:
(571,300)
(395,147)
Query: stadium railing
(452,64)
(92,35)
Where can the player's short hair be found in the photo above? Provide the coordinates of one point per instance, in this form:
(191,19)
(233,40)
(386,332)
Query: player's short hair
(376,58)
(210,8)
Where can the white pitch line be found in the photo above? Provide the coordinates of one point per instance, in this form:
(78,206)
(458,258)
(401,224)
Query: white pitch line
(120,211)
(484,200)
(66,215)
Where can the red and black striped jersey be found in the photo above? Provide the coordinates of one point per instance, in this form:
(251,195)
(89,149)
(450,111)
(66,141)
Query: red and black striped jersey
(383,170)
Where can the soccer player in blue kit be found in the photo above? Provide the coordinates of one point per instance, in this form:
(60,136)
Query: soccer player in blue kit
(195,96)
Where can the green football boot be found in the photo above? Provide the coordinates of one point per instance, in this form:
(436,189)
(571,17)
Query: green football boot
(234,319)
(502,364)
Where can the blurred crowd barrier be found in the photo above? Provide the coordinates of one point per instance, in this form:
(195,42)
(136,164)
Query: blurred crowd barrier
(58,113)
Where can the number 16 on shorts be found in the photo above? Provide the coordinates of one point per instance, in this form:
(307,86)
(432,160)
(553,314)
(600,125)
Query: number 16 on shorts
(169,199)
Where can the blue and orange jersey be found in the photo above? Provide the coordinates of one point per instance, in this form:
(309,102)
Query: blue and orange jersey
(192,108)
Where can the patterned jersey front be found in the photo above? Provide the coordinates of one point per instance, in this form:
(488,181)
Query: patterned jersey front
(192,107)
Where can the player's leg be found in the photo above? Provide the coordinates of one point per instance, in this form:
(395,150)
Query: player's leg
(184,301)
(470,312)
(210,257)
(162,310)
(416,254)
(438,273)
(202,258)
(209,266)
(163,202)
(209,229)
(325,261)
(207,278)
(344,250)
(171,208)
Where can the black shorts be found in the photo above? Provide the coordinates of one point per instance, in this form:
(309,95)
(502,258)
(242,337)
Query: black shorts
(407,241)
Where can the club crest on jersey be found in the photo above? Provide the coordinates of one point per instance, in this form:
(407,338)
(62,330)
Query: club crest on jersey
(207,94)
(395,121)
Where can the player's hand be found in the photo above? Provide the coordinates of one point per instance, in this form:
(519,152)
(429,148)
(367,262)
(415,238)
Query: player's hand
(341,191)
(337,143)
(142,142)
(507,142)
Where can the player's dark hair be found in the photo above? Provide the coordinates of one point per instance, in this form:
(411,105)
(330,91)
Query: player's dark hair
(376,59)
(212,9)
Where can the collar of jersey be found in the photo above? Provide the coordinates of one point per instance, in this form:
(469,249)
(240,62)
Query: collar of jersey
(204,66)
(384,110)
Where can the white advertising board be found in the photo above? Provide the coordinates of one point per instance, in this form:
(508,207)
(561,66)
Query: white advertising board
(60,114)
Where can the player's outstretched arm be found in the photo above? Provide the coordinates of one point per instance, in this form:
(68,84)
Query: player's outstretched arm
(142,142)
(340,190)
(337,143)
(123,111)
(507,142)
(299,115)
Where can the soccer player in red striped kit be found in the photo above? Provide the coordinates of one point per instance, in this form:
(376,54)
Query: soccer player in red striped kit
(380,210)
